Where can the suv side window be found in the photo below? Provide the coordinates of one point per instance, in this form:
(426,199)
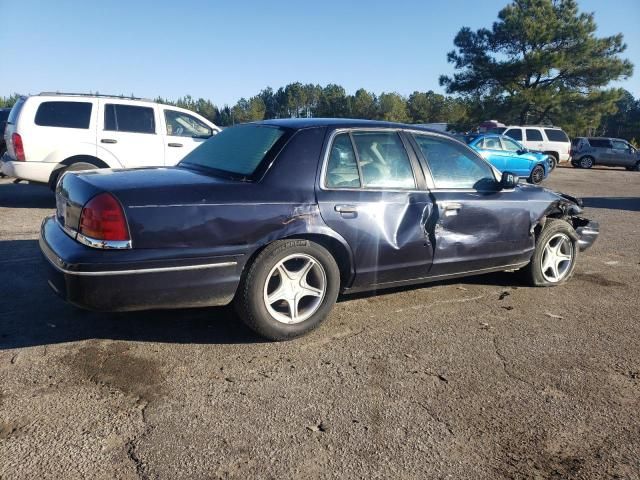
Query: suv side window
(515,133)
(534,135)
(453,165)
(64,114)
(129,118)
(599,143)
(180,124)
(556,135)
(620,145)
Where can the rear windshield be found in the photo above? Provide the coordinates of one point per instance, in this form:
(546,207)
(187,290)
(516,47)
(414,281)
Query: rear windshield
(64,114)
(555,135)
(15,111)
(237,151)
(466,138)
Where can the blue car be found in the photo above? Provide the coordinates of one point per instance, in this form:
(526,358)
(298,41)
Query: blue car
(506,154)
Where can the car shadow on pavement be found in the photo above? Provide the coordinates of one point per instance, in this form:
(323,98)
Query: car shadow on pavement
(26,195)
(631,204)
(32,315)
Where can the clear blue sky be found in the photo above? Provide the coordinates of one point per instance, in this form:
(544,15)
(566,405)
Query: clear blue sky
(232,49)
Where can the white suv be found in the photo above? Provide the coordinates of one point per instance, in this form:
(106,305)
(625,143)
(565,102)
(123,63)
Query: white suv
(50,133)
(550,140)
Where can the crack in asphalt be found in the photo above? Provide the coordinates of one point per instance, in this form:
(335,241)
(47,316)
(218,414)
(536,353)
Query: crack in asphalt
(505,367)
(132,446)
(436,419)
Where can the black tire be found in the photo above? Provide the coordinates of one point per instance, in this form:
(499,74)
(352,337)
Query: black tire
(636,168)
(250,303)
(533,272)
(586,162)
(537,175)
(74,167)
(553,161)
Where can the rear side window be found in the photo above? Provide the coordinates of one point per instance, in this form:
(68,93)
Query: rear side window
(514,133)
(129,118)
(342,169)
(381,162)
(599,143)
(534,135)
(64,114)
(555,135)
(15,111)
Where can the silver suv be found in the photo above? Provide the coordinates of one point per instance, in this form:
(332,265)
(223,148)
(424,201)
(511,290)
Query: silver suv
(589,151)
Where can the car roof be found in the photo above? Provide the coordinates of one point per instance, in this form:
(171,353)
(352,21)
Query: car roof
(300,123)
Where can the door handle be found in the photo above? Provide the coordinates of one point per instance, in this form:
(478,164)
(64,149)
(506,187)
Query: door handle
(346,209)
(175,144)
(108,140)
(452,208)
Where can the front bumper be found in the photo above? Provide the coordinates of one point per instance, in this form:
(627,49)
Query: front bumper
(32,171)
(587,234)
(124,280)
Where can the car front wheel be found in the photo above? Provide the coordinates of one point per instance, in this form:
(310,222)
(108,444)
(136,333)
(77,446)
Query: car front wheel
(537,175)
(288,290)
(554,259)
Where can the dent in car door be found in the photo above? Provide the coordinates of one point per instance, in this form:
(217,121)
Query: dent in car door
(473,227)
(384,228)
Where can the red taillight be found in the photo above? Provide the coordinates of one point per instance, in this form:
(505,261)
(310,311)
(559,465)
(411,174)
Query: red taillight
(102,218)
(18,147)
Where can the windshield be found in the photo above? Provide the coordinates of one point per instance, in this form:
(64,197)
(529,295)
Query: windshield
(236,151)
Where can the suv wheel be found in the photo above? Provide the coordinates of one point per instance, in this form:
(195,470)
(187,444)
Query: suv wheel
(554,259)
(288,290)
(74,167)
(586,162)
(553,162)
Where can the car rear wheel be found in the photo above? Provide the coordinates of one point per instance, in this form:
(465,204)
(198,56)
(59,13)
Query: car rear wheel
(554,259)
(288,290)
(537,175)
(74,167)
(586,162)
(553,162)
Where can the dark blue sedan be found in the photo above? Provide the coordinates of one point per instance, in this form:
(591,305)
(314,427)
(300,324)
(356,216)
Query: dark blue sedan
(506,154)
(281,216)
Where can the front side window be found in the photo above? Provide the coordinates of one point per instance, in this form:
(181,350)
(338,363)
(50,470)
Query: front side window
(237,151)
(555,135)
(515,133)
(129,118)
(454,166)
(64,114)
(181,124)
(533,135)
(510,146)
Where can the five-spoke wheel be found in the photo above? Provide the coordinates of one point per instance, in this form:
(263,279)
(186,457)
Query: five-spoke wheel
(554,258)
(288,289)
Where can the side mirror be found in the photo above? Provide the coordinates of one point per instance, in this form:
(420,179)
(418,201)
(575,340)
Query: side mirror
(508,181)
(521,152)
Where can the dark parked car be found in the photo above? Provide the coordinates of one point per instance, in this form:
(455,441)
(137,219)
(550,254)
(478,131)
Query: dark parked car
(4,115)
(614,152)
(281,216)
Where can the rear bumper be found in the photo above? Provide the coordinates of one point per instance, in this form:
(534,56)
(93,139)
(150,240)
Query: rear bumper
(32,171)
(124,280)
(587,234)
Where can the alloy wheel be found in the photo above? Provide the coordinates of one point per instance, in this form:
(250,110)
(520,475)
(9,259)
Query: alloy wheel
(295,288)
(537,175)
(557,258)
(586,162)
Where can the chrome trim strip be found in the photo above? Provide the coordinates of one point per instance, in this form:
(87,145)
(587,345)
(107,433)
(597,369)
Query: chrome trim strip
(216,204)
(103,244)
(143,270)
